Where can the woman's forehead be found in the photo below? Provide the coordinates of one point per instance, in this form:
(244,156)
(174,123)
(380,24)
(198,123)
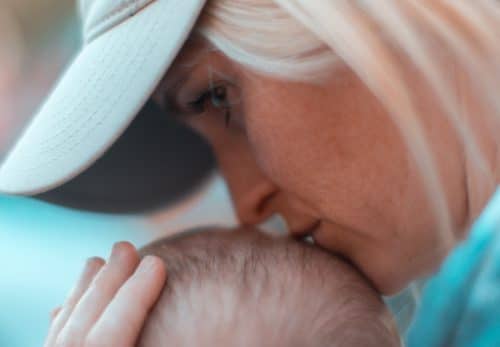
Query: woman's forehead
(178,70)
(196,51)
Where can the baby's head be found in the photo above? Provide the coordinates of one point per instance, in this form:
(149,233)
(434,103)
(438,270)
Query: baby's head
(244,288)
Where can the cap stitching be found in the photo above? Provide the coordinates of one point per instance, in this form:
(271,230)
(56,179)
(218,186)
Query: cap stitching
(45,146)
(91,129)
(51,144)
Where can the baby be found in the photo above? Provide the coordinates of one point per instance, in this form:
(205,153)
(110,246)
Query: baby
(244,288)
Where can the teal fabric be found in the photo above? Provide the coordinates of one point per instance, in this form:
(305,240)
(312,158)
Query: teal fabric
(460,305)
(404,305)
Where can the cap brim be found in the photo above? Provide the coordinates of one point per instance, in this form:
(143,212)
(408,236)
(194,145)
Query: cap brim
(97,98)
(155,162)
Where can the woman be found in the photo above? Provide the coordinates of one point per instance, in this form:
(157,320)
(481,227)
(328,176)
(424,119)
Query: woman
(369,125)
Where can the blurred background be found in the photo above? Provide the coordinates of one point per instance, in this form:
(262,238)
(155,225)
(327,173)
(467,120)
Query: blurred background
(42,246)
(36,40)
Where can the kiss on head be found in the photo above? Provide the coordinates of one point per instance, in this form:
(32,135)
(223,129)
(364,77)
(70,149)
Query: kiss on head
(370,126)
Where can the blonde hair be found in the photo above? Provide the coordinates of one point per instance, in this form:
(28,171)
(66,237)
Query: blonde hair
(299,39)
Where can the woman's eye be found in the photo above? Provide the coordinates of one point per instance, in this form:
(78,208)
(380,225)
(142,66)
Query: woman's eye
(219,97)
(216,97)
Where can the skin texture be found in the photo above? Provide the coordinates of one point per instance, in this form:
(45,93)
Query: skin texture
(323,155)
(125,287)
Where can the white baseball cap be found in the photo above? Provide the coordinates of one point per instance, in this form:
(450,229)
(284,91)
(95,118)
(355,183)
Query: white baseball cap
(128,47)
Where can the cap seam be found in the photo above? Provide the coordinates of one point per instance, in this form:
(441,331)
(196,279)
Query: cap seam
(107,22)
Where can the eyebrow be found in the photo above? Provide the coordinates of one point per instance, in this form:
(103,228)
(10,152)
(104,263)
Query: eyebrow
(167,94)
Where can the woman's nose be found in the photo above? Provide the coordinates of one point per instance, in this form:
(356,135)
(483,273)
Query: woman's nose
(253,203)
(251,191)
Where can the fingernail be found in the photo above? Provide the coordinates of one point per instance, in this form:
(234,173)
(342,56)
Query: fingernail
(91,265)
(120,249)
(94,262)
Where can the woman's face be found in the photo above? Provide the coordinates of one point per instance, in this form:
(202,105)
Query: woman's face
(326,157)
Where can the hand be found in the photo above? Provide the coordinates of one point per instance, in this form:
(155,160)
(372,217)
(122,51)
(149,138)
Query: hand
(110,302)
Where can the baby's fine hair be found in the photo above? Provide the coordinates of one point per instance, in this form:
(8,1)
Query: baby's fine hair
(244,288)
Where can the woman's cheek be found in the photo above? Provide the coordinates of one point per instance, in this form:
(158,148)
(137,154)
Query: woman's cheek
(282,160)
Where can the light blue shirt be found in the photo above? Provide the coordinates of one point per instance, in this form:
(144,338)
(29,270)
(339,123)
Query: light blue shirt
(460,305)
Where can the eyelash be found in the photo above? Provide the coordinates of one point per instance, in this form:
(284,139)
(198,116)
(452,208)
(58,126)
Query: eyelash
(199,105)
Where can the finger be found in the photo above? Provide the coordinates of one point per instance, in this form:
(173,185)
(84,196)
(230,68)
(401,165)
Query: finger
(123,319)
(54,313)
(92,267)
(120,267)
